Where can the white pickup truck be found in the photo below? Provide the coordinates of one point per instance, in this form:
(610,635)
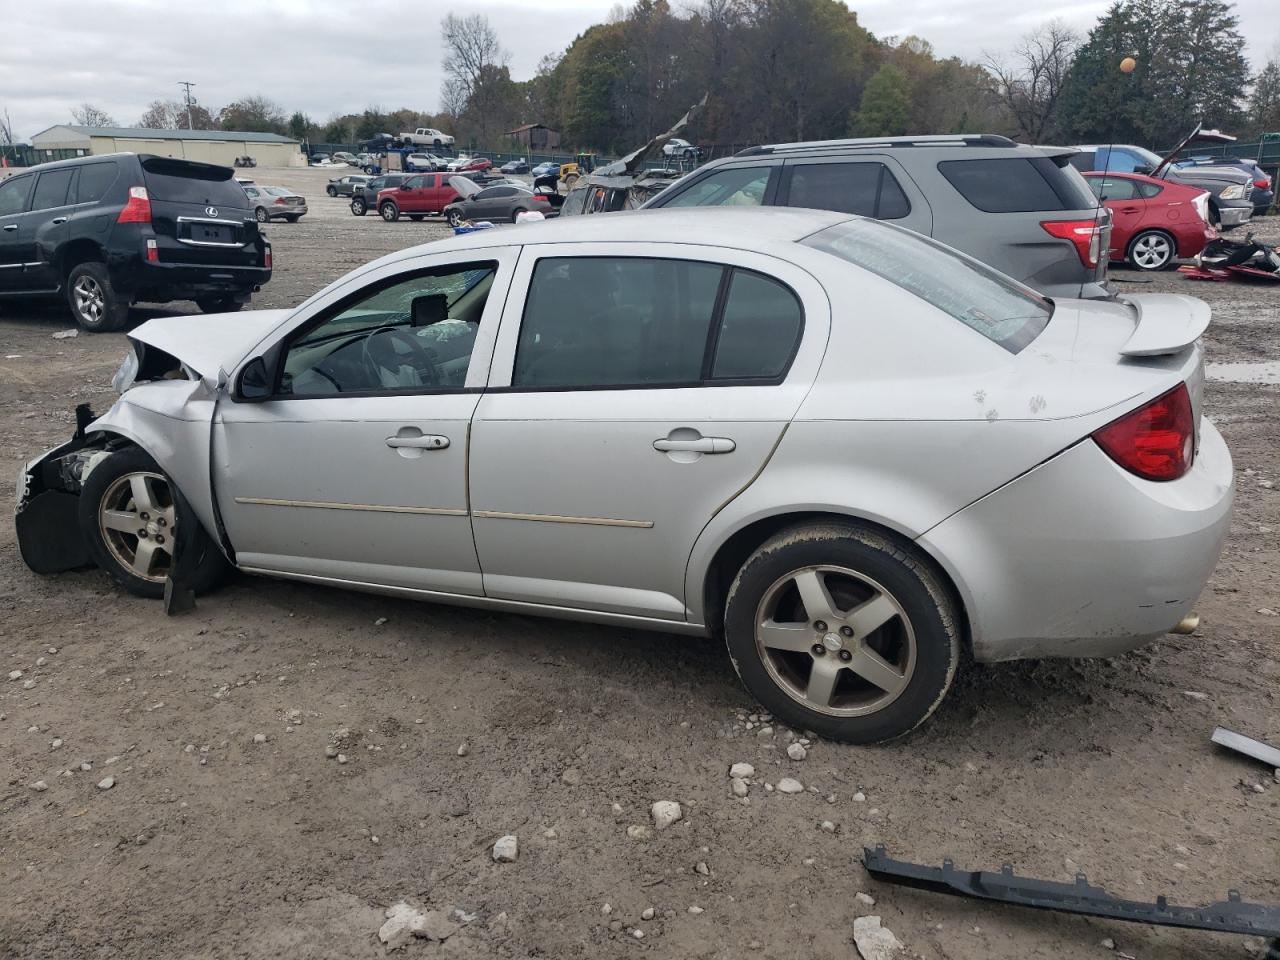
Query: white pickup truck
(427,137)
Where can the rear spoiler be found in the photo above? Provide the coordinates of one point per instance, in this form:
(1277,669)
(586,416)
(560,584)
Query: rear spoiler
(1167,323)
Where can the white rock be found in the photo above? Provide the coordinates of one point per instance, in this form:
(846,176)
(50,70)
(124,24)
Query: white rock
(875,942)
(343,758)
(665,813)
(606,909)
(41,661)
(28,684)
(865,899)
(259,738)
(859,797)
(638,933)
(106,783)
(638,832)
(1107,944)
(506,849)
(15,674)
(380,621)
(330,751)
(1195,695)
(797,752)
(1257,788)
(702,869)
(617,809)
(739,787)
(742,771)
(86,767)
(788,785)
(55,743)
(550,833)
(768,788)
(398,928)
(39,786)
(53,649)
(433,925)
(765,732)
(828,826)
(463,750)
(647,913)
(696,910)
(67,334)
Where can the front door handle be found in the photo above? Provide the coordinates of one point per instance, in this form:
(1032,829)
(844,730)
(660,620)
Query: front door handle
(57,220)
(10,226)
(428,441)
(700,445)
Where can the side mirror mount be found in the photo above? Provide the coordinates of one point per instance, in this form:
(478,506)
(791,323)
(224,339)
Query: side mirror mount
(253,385)
(1142,168)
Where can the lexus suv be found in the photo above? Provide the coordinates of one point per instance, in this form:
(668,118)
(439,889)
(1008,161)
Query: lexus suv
(105,232)
(1023,210)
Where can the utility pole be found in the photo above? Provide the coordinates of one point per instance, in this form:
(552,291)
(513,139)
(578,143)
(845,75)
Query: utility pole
(187,85)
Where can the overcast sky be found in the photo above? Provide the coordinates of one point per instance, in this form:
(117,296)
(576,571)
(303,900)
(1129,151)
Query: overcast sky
(329,58)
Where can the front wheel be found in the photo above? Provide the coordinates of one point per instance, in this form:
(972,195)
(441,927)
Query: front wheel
(358,208)
(128,517)
(454,217)
(842,630)
(331,191)
(389,211)
(1151,250)
(93,299)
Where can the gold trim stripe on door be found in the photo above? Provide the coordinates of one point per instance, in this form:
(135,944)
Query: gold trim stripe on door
(366,507)
(549,518)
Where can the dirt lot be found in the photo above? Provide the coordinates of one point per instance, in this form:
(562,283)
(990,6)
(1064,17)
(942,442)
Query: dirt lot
(212,845)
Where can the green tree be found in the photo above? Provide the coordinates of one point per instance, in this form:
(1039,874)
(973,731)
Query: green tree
(300,125)
(1264,105)
(886,104)
(254,114)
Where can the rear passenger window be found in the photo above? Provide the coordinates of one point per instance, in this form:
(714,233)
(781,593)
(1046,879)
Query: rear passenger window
(866,188)
(611,322)
(1010,185)
(95,180)
(759,329)
(734,187)
(1113,188)
(51,189)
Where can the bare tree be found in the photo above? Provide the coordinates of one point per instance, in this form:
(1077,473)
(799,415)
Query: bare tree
(87,115)
(474,57)
(1029,86)
(160,115)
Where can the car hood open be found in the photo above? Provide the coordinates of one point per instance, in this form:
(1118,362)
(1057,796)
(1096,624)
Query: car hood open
(466,187)
(208,343)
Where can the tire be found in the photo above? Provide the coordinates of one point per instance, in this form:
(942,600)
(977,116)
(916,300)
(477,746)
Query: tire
(1151,250)
(389,212)
(109,496)
(417,217)
(358,207)
(261,215)
(293,217)
(331,191)
(93,300)
(917,643)
(454,217)
(220,305)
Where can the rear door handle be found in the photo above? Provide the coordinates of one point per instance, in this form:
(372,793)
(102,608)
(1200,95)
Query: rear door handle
(701,445)
(10,226)
(1130,209)
(426,442)
(57,220)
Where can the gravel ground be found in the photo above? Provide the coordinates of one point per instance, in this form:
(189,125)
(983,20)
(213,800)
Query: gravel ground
(215,842)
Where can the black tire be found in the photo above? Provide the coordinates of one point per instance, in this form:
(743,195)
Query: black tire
(1151,251)
(331,191)
(293,217)
(925,620)
(260,214)
(454,217)
(220,305)
(417,217)
(389,211)
(358,207)
(111,480)
(93,299)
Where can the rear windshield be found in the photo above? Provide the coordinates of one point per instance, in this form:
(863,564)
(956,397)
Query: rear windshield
(982,299)
(1019,184)
(178,181)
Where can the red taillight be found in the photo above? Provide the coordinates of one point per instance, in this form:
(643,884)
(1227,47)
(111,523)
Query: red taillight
(138,207)
(541,198)
(1156,441)
(153,252)
(1086,235)
(266,258)
(280,202)
(1262,183)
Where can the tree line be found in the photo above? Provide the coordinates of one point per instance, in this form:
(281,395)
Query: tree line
(785,70)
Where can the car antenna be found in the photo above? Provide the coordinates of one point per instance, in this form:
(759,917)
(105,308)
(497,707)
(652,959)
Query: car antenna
(1127,66)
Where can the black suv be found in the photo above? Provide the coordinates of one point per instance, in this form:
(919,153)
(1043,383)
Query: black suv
(108,231)
(364,196)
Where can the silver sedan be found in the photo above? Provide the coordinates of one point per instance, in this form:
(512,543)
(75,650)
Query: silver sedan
(850,451)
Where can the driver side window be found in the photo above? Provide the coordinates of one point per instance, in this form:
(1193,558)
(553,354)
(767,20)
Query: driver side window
(409,334)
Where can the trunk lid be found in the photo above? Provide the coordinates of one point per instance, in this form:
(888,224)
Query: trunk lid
(200,214)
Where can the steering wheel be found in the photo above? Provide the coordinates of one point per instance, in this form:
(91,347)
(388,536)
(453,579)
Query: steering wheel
(423,359)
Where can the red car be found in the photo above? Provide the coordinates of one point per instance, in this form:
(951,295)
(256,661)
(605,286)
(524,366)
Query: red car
(1152,221)
(418,196)
(477,163)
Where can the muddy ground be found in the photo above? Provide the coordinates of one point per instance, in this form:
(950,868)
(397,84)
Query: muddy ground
(212,845)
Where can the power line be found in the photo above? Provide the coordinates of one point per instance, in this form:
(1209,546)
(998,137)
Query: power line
(187,85)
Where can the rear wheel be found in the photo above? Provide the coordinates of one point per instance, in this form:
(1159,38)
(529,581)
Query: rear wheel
(842,630)
(219,305)
(331,191)
(128,518)
(1151,250)
(93,300)
(261,215)
(358,206)
(389,211)
(292,217)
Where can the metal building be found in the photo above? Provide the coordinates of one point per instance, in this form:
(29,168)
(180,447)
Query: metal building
(208,146)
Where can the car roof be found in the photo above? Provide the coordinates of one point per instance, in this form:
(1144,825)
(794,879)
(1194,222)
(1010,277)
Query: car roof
(744,228)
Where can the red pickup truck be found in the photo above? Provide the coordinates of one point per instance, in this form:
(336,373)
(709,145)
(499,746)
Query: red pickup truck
(418,196)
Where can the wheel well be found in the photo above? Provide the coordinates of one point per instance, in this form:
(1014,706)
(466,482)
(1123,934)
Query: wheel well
(733,553)
(78,251)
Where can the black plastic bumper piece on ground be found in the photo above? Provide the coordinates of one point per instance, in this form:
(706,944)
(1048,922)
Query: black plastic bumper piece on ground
(1230,916)
(179,595)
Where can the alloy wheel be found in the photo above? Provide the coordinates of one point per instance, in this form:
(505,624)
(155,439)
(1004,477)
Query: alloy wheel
(137,517)
(835,641)
(91,301)
(1152,251)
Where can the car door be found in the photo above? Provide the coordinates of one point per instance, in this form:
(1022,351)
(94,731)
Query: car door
(1128,209)
(636,389)
(866,185)
(44,229)
(412,196)
(14,193)
(354,468)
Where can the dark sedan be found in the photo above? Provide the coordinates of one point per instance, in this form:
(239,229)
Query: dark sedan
(345,186)
(364,197)
(504,202)
(515,166)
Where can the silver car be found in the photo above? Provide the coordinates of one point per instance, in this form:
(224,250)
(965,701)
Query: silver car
(276,203)
(846,448)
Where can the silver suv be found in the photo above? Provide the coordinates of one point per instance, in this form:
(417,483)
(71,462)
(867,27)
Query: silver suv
(1023,210)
